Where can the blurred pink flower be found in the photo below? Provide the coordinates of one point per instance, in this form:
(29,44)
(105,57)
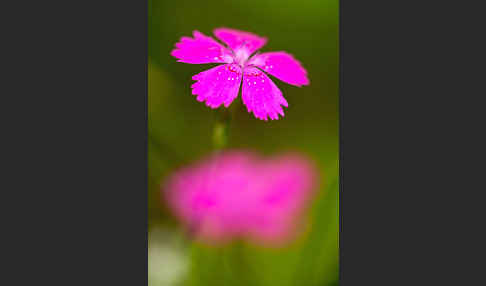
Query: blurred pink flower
(221,84)
(240,195)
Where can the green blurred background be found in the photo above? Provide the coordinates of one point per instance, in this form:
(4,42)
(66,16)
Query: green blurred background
(180,131)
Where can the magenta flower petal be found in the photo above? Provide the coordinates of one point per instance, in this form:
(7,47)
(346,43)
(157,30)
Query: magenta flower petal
(236,39)
(219,85)
(282,66)
(283,198)
(201,50)
(261,96)
(240,195)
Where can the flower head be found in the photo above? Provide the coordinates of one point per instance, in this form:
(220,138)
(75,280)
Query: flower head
(240,64)
(240,195)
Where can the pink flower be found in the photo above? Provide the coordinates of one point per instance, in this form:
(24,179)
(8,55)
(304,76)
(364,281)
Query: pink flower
(240,195)
(221,84)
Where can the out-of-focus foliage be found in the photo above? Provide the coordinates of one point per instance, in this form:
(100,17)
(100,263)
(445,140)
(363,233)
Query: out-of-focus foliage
(180,132)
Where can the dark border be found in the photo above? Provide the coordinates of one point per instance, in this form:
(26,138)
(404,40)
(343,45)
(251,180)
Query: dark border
(407,130)
(79,144)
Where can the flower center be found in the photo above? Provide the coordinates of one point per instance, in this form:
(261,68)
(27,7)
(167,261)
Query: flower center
(241,55)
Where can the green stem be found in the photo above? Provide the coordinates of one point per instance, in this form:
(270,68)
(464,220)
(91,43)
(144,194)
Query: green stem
(238,267)
(221,129)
